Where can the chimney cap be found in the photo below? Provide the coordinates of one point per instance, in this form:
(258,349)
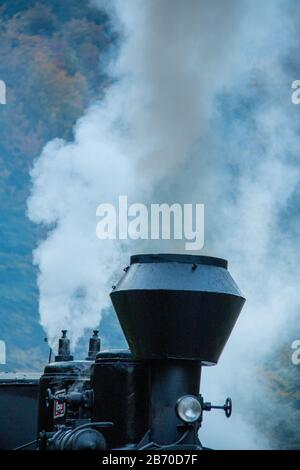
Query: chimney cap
(179,258)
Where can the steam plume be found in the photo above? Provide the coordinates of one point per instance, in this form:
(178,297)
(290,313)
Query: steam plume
(144,128)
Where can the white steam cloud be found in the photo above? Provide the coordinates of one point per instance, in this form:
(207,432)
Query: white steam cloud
(144,128)
(199,111)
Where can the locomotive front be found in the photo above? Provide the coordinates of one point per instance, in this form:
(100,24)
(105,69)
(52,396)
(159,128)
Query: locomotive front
(177,313)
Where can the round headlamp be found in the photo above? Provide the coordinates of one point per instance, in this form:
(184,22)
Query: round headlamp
(188,409)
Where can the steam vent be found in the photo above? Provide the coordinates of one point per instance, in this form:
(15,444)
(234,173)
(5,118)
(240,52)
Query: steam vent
(177,306)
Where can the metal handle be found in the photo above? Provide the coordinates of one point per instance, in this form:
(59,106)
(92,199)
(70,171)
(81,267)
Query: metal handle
(227,407)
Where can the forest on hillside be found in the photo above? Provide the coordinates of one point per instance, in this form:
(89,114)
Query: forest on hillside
(50,60)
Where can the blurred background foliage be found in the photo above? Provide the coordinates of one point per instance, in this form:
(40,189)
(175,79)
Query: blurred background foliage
(50,60)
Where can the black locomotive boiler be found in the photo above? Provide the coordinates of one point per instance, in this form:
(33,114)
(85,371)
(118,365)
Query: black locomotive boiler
(177,313)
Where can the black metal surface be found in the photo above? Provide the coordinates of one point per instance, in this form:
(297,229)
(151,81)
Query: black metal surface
(81,438)
(60,377)
(115,355)
(94,346)
(121,395)
(18,409)
(63,348)
(177,306)
(171,380)
(191,259)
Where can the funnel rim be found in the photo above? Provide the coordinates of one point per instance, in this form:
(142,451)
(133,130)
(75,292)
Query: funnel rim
(238,294)
(178,258)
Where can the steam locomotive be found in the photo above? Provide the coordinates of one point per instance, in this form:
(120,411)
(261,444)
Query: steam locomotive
(177,313)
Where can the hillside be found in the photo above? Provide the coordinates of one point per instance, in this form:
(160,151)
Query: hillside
(50,60)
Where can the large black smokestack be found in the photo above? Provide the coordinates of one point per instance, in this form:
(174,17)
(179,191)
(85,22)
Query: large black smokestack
(177,311)
(177,306)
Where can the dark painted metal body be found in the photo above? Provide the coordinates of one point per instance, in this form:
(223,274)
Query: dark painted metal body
(121,396)
(176,311)
(94,346)
(18,409)
(177,306)
(63,353)
(170,381)
(60,377)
